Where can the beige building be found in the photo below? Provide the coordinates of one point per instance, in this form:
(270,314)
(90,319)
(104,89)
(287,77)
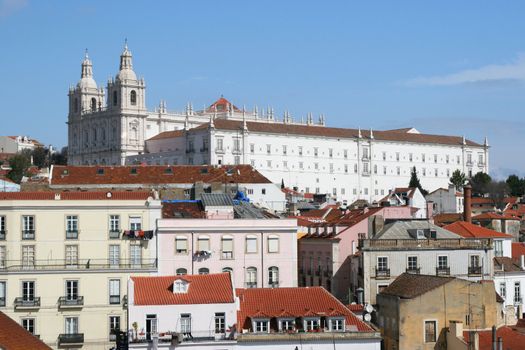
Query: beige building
(65,259)
(415,310)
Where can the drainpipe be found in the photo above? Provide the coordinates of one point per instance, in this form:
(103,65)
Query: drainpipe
(494,340)
(192,254)
(500,343)
(262,260)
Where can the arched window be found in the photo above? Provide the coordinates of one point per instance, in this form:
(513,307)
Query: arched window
(133,97)
(181,272)
(227,269)
(204,271)
(273,276)
(115,98)
(93,104)
(251,277)
(75,106)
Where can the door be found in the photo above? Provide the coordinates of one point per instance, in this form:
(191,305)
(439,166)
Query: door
(71,325)
(114,256)
(151,326)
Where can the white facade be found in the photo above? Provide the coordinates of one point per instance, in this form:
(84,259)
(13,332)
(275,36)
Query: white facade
(15,144)
(446,200)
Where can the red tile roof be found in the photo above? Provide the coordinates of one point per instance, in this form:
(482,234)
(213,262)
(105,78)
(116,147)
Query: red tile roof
(154,175)
(518,249)
(167,135)
(202,289)
(299,302)
(356,308)
(15,337)
(83,195)
(447,218)
(468,230)
(318,130)
(221,105)
(493,216)
(183,210)
(512,339)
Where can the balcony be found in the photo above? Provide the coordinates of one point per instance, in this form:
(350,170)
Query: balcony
(114,234)
(219,150)
(474,270)
(80,264)
(71,303)
(27,304)
(365,157)
(273,284)
(114,299)
(236,151)
(226,255)
(71,339)
(425,244)
(382,273)
(518,300)
(73,234)
(413,270)
(469,163)
(2,235)
(28,234)
(443,271)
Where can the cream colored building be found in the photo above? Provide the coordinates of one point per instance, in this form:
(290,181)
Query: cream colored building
(65,259)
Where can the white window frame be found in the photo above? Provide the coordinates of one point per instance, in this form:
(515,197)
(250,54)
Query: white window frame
(261,325)
(273,244)
(249,241)
(425,330)
(179,249)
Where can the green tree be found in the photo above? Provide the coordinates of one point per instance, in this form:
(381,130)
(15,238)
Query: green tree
(414,182)
(19,164)
(480,183)
(516,185)
(497,191)
(458,179)
(40,157)
(59,158)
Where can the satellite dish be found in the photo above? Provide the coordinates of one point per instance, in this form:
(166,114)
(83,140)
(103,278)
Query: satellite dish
(368,317)
(369,308)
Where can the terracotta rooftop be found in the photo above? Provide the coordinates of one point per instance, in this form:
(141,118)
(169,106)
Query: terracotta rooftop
(202,289)
(222,105)
(518,249)
(512,339)
(167,135)
(408,286)
(503,263)
(15,337)
(323,131)
(493,216)
(46,196)
(447,218)
(299,302)
(192,210)
(468,230)
(154,175)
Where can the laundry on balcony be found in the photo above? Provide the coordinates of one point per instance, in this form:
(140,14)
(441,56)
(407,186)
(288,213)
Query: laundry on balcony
(138,234)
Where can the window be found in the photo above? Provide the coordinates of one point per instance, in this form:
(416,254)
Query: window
(447,158)
(375,168)
(330,152)
(251,277)
(181,271)
(316,151)
(331,167)
(498,247)
(220,143)
(28,256)
(263,191)
(204,271)
(71,227)
(311,324)
(273,244)
(382,263)
(268,163)
(346,168)
(384,170)
(2,293)
(384,155)
(71,326)
(300,150)
(220,322)
(227,247)
(203,243)
(71,290)
(3,257)
(115,99)
(285,150)
(398,170)
(397,156)
(114,225)
(236,145)
(410,157)
(28,227)
(430,331)
(114,291)
(185,324)
(227,269)
(28,290)
(181,245)
(285,164)
(517,293)
(251,244)
(316,166)
(135,223)
(268,149)
(343,191)
(503,290)
(436,172)
(135,254)
(301,165)
(2,225)
(29,325)
(287,325)
(114,255)
(442,262)
(458,159)
(345,154)
(334,191)
(114,326)
(424,172)
(412,263)
(133,97)
(252,148)
(261,326)
(337,324)
(474,261)
(273,276)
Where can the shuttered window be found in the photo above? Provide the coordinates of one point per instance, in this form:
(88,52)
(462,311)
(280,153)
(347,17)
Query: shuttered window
(273,244)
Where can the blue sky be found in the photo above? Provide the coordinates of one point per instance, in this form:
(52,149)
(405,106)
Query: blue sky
(447,67)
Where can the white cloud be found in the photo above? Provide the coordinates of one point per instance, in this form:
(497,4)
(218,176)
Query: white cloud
(8,7)
(494,73)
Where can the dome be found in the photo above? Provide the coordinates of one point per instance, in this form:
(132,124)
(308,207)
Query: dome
(126,74)
(87,82)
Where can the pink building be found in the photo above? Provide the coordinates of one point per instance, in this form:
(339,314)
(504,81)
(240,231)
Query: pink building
(331,240)
(216,235)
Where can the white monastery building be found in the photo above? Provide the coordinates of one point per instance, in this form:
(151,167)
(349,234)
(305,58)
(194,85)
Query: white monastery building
(348,164)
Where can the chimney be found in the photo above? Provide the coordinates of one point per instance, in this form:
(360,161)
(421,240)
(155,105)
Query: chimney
(522,265)
(467,203)
(494,339)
